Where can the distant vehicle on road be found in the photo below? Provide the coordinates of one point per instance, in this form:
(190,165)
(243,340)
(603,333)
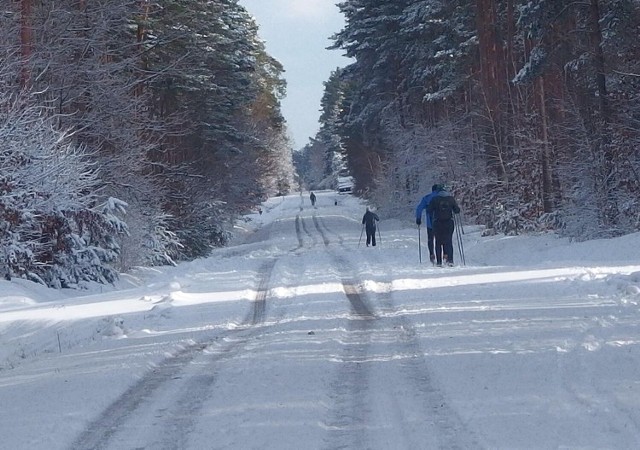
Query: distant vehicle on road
(345,185)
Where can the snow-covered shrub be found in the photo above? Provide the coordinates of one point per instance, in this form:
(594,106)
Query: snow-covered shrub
(203,229)
(150,241)
(551,221)
(162,243)
(80,245)
(51,227)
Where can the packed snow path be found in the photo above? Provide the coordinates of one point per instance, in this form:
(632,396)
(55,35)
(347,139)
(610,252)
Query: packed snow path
(301,337)
(360,406)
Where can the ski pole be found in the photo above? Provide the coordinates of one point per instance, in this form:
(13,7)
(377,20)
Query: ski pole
(379,236)
(362,231)
(457,227)
(419,246)
(459,239)
(464,259)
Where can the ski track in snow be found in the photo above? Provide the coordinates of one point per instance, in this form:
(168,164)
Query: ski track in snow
(120,425)
(356,416)
(338,349)
(166,403)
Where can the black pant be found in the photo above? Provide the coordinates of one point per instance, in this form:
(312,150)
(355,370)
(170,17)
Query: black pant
(371,236)
(430,237)
(443,230)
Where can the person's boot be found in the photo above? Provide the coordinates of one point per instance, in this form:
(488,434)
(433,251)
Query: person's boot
(447,260)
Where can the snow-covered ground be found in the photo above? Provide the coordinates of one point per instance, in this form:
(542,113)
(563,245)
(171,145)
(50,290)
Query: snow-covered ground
(298,336)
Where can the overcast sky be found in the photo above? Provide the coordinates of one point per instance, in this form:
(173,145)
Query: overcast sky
(296,33)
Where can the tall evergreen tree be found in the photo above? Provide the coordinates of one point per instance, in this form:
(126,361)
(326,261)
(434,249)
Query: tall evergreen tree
(524,88)
(177,102)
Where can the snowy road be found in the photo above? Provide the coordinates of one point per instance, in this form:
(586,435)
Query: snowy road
(302,338)
(357,406)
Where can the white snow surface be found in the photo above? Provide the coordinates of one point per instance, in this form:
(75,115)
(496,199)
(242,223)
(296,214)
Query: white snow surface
(298,336)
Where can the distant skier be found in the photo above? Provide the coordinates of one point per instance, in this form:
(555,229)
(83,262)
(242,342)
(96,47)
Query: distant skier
(369,221)
(442,207)
(313,199)
(421,207)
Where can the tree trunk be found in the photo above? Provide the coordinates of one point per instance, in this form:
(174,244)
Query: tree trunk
(602,141)
(596,45)
(141,32)
(26,42)
(492,78)
(547,179)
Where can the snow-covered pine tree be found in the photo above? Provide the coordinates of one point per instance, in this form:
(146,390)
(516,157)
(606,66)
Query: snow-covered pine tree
(372,37)
(51,229)
(539,96)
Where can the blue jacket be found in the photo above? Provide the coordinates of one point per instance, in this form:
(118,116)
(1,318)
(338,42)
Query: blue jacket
(422,206)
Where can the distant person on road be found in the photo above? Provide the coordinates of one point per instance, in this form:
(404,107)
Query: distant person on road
(369,221)
(313,199)
(429,223)
(442,207)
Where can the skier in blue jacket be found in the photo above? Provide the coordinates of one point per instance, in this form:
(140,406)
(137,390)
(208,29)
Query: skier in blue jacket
(442,207)
(424,203)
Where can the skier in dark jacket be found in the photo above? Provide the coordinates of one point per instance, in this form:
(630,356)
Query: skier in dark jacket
(312,197)
(421,207)
(369,221)
(442,207)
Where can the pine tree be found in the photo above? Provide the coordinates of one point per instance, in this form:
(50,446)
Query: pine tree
(51,229)
(512,101)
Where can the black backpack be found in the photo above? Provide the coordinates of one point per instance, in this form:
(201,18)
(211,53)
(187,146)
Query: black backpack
(444,210)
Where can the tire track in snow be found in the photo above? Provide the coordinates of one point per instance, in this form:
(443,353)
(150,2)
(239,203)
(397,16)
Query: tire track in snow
(446,429)
(298,234)
(178,420)
(349,423)
(177,427)
(338,235)
(348,418)
(307,232)
(325,239)
(357,418)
